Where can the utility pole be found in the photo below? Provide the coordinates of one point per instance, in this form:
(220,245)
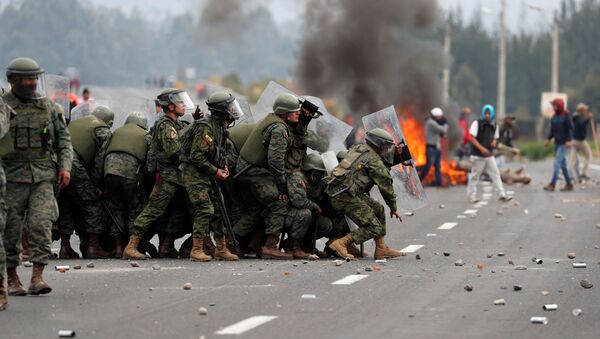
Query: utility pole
(555,51)
(501,108)
(446,72)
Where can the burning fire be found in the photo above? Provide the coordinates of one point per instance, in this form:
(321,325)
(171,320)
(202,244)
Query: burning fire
(414,132)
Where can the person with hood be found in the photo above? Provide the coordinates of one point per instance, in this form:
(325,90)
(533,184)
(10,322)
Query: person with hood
(484,137)
(561,130)
(435,128)
(581,120)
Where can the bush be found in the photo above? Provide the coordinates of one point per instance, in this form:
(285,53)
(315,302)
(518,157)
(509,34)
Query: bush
(534,150)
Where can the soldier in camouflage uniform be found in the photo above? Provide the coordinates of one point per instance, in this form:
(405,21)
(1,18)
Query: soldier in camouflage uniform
(166,145)
(204,162)
(349,185)
(261,169)
(123,189)
(42,156)
(6,113)
(90,136)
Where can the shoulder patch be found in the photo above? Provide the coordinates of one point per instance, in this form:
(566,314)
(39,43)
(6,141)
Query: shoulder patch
(172,134)
(207,138)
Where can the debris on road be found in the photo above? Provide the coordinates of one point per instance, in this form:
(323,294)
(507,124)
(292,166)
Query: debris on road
(510,262)
(134,264)
(489,255)
(431,235)
(368,269)
(557,261)
(517,287)
(446,254)
(586,284)
(442,206)
(28,264)
(500,212)
(187,286)
(459,262)
(409,214)
(579,265)
(156,267)
(381,261)
(500,254)
(338,262)
(499,302)
(576,312)
(90,265)
(77,267)
(480,267)
(66,334)
(558,216)
(313,257)
(202,311)
(62,267)
(571,255)
(537,261)
(545,293)
(468,288)
(539,320)
(418,257)
(308,296)
(550,307)
(520,267)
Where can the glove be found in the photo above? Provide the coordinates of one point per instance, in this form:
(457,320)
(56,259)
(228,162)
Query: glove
(198,114)
(282,189)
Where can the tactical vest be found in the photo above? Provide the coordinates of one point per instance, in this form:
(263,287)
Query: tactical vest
(130,139)
(253,151)
(239,134)
(83,138)
(157,159)
(350,175)
(31,131)
(485,136)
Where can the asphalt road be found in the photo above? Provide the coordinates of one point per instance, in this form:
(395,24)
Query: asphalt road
(405,298)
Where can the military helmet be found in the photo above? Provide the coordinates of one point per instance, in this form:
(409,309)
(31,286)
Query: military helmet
(105,114)
(23,68)
(313,162)
(223,102)
(379,138)
(341,155)
(285,103)
(164,97)
(137,118)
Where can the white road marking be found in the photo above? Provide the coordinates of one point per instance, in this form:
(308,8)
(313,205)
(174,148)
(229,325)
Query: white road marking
(246,324)
(483,203)
(411,248)
(447,226)
(470,212)
(461,217)
(486,196)
(485,183)
(349,280)
(595,167)
(510,192)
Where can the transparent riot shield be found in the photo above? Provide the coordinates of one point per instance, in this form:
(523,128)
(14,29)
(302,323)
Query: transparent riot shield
(264,105)
(121,108)
(331,128)
(407,185)
(57,89)
(248,117)
(330,161)
(82,110)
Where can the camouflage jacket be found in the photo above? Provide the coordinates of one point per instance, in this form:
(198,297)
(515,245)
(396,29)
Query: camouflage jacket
(123,165)
(96,171)
(207,153)
(300,193)
(169,146)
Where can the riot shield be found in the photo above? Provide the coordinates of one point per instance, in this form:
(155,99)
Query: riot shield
(82,110)
(407,185)
(248,117)
(330,161)
(57,89)
(264,105)
(332,128)
(121,108)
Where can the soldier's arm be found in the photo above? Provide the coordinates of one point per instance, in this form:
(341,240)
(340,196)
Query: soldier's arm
(278,140)
(5,113)
(63,146)
(297,194)
(169,139)
(316,142)
(380,175)
(199,154)
(102,136)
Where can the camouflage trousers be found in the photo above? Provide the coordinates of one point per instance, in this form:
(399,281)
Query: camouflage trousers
(207,215)
(162,195)
(37,203)
(368,214)
(278,216)
(246,213)
(70,218)
(82,193)
(2,225)
(125,199)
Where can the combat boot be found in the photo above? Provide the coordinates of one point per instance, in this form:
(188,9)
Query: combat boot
(355,251)
(382,251)
(131,251)
(38,285)
(66,251)
(83,245)
(3,296)
(197,253)
(186,248)
(117,246)
(297,251)
(222,252)
(166,247)
(94,250)
(208,246)
(340,246)
(271,251)
(14,283)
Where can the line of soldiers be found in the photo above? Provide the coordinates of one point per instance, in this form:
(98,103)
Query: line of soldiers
(247,185)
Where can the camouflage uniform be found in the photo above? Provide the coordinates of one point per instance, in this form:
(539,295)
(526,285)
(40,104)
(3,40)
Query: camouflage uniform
(349,187)
(42,146)
(169,180)
(301,200)
(5,111)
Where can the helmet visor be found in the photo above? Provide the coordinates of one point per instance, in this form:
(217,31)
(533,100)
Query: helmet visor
(235,110)
(30,87)
(183,98)
(388,153)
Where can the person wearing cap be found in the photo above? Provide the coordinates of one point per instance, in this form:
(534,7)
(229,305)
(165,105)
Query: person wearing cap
(484,138)
(435,128)
(561,131)
(505,142)
(581,120)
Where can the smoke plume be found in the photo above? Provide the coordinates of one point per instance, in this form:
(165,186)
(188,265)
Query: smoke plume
(372,53)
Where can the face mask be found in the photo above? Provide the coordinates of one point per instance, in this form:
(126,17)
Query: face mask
(24,91)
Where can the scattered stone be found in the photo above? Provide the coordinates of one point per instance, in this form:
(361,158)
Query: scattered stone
(381,261)
(489,255)
(309,296)
(90,265)
(517,287)
(480,267)
(418,257)
(459,262)
(545,293)
(558,216)
(134,264)
(27,264)
(596,247)
(539,320)
(187,286)
(202,311)
(579,265)
(526,211)
(510,262)
(493,271)
(77,267)
(586,284)
(550,307)
(411,315)
(409,214)
(571,255)
(368,269)
(499,302)
(499,212)
(211,304)
(461,243)
(468,288)
(442,206)
(295,265)
(156,267)
(339,262)
(66,334)
(150,289)
(500,254)
(557,261)
(304,262)
(260,268)
(520,267)
(503,287)
(446,254)
(577,312)
(537,261)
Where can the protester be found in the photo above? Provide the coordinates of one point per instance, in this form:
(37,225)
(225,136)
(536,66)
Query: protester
(464,150)
(561,131)
(435,128)
(581,120)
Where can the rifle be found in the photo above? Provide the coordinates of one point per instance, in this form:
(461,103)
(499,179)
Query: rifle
(223,209)
(112,216)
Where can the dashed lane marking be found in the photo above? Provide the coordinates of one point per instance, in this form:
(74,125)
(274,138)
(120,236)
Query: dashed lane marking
(349,280)
(447,226)
(246,325)
(470,212)
(411,248)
